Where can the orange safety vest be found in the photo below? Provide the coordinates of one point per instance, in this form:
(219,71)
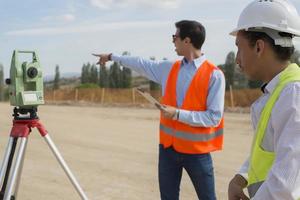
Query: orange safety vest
(183,137)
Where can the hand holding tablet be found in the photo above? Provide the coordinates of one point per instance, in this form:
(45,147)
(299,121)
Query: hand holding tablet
(151,99)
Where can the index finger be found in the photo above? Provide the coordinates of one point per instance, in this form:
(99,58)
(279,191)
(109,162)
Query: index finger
(97,55)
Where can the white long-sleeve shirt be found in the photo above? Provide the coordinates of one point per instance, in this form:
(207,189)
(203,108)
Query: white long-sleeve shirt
(282,137)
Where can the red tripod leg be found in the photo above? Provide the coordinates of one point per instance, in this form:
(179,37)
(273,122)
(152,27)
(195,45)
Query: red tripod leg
(16,169)
(20,130)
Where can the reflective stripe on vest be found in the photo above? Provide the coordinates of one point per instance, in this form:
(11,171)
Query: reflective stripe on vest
(198,137)
(261,161)
(181,136)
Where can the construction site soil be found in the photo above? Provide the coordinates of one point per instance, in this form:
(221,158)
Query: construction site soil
(113,152)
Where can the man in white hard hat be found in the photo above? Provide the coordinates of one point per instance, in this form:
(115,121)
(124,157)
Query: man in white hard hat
(264,37)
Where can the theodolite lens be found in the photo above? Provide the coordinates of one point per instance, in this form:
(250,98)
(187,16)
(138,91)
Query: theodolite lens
(8,81)
(32,72)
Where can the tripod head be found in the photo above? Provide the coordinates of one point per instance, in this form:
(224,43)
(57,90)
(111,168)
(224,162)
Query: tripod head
(25,82)
(25,113)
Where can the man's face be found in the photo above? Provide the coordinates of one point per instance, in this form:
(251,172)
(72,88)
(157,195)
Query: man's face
(246,57)
(178,43)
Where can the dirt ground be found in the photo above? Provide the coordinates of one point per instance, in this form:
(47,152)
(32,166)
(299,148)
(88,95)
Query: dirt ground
(113,153)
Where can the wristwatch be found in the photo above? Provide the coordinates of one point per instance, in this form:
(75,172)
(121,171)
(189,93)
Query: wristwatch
(109,56)
(176,116)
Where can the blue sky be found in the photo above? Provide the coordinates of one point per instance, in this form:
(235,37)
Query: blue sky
(67,32)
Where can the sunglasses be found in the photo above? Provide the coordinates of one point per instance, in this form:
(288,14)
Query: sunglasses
(175,37)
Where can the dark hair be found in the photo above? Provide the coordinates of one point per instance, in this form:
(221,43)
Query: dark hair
(193,30)
(282,53)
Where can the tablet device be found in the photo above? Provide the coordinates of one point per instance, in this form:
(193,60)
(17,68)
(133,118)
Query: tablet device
(150,98)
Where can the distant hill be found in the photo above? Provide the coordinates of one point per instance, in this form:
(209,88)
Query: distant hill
(49,78)
(66,80)
(72,79)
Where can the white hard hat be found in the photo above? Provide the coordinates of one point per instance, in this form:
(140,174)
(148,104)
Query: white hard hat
(273,16)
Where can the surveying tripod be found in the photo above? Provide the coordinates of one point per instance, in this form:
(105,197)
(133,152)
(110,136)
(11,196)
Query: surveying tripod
(11,169)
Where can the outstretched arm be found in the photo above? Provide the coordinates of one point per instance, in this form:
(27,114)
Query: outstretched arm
(156,71)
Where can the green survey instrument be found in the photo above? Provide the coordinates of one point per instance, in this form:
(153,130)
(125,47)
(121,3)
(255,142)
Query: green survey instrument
(26,81)
(26,93)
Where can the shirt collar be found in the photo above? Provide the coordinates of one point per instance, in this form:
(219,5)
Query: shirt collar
(196,62)
(272,84)
(263,87)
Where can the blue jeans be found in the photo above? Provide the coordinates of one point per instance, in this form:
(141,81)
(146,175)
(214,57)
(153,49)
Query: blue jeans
(198,166)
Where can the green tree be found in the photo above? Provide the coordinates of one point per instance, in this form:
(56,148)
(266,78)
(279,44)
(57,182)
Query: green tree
(240,80)
(126,53)
(56,78)
(126,74)
(89,72)
(126,77)
(1,83)
(84,74)
(221,67)
(87,75)
(94,74)
(229,69)
(254,84)
(296,57)
(114,75)
(103,80)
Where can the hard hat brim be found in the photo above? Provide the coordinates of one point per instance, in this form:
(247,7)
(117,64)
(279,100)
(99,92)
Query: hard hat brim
(234,32)
(291,31)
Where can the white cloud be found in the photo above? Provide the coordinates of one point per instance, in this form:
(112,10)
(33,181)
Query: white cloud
(108,4)
(87,28)
(68,17)
(98,26)
(63,18)
(102,4)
